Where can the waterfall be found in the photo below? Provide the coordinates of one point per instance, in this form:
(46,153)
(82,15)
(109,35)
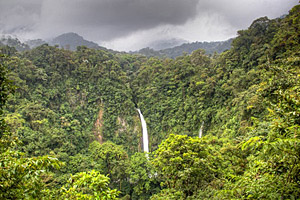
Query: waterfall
(201,129)
(145,132)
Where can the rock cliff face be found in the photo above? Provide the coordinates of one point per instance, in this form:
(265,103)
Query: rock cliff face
(127,130)
(98,127)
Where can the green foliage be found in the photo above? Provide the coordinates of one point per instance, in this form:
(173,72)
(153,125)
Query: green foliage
(6,88)
(142,177)
(88,185)
(113,161)
(20,177)
(185,164)
(171,194)
(286,41)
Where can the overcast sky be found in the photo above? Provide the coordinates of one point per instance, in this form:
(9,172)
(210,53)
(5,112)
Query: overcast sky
(133,24)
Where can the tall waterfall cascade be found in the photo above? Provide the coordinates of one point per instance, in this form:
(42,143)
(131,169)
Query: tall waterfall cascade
(201,130)
(145,132)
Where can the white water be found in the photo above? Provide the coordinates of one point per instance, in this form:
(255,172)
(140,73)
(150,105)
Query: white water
(145,132)
(201,130)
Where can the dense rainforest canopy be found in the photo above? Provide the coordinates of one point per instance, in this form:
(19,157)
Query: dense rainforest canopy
(70,128)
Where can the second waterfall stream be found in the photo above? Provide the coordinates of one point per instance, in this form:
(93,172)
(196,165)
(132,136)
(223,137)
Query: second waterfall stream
(145,132)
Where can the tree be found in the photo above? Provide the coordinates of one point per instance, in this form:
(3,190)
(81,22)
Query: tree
(113,161)
(88,185)
(185,163)
(142,177)
(6,88)
(20,177)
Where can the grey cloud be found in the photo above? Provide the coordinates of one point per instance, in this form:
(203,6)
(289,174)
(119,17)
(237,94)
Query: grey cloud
(242,12)
(115,18)
(109,18)
(18,15)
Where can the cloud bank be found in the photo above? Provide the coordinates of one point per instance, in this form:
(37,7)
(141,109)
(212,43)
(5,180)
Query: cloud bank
(130,24)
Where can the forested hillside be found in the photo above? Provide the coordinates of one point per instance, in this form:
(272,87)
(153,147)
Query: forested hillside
(13,42)
(70,128)
(187,48)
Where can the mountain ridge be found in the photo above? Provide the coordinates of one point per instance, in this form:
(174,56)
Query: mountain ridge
(72,40)
(209,47)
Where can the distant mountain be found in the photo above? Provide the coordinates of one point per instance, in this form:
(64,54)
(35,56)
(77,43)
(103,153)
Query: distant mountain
(166,43)
(68,41)
(71,40)
(35,43)
(159,48)
(209,47)
(149,52)
(13,42)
